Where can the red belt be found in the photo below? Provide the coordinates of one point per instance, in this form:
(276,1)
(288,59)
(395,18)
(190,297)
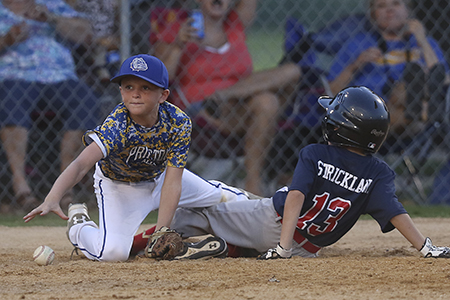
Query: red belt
(302,241)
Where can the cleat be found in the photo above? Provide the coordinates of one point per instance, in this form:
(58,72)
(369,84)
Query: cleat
(78,214)
(204,249)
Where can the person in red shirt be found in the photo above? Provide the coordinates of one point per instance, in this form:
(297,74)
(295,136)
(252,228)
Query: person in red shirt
(218,69)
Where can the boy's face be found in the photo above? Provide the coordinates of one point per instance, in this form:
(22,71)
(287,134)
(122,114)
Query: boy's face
(142,99)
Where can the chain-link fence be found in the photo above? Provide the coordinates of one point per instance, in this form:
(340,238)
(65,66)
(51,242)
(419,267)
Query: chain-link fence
(310,34)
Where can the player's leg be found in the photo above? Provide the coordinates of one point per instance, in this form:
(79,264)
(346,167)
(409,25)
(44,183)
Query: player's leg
(244,225)
(122,208)
(250,224)
(198,192)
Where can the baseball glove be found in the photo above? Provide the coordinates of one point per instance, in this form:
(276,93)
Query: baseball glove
(164,244)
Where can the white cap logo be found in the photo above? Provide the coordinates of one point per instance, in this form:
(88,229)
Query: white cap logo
(138,64)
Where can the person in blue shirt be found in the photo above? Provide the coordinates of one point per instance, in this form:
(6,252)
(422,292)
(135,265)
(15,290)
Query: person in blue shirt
(398,61)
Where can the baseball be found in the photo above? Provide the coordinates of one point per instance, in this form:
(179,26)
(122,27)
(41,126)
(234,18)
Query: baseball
(44,255)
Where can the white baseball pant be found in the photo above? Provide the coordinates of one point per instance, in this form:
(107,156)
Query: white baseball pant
(124,206)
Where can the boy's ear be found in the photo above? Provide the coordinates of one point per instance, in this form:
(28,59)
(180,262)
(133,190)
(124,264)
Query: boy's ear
(164,95)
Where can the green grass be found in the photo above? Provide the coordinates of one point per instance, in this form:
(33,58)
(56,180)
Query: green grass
(435,211)
(429,211)
(51,219)
(266,48)
(426,211)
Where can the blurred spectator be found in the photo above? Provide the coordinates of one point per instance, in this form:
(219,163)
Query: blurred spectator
(102,55)
(435,15)
(214,75)
(140,26)
(34,68)
(398,61)
(301,122)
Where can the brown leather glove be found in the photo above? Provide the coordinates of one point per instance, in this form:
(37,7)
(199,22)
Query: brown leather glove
(164,244)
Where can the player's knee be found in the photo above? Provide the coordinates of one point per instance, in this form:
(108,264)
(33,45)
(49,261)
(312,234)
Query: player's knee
(190,222)
(114,254)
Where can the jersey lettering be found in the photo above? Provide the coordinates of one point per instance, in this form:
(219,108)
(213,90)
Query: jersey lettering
(343,178)
(146,155)
(336,209)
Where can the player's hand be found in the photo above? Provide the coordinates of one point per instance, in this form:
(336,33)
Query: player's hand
(275,253)
(429,250)
(45,208)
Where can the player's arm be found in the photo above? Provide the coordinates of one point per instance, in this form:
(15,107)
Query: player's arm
(68,178)
(406,227)
(170,196)
(292,209)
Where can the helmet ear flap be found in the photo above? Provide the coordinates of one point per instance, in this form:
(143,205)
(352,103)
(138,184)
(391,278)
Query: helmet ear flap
(358,118)
(328,129)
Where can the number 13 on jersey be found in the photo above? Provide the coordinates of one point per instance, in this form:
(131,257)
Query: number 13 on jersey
(335,208)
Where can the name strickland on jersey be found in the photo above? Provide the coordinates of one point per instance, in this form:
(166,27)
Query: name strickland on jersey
(343,178)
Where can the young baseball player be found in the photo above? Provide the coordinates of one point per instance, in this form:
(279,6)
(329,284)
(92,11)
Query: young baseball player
(332,186)
(139,153)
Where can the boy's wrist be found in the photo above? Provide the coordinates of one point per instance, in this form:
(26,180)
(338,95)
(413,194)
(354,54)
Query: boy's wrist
(283,252)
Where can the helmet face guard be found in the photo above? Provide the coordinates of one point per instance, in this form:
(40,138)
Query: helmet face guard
(355,117)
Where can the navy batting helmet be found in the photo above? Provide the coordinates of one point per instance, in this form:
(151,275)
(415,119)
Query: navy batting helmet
(355,117)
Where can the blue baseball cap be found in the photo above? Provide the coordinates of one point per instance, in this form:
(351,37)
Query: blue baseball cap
(144,66)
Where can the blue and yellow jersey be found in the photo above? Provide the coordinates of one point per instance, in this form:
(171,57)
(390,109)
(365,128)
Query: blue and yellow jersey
(134,153)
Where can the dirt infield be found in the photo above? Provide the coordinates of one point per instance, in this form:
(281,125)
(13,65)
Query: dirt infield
(365,264)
